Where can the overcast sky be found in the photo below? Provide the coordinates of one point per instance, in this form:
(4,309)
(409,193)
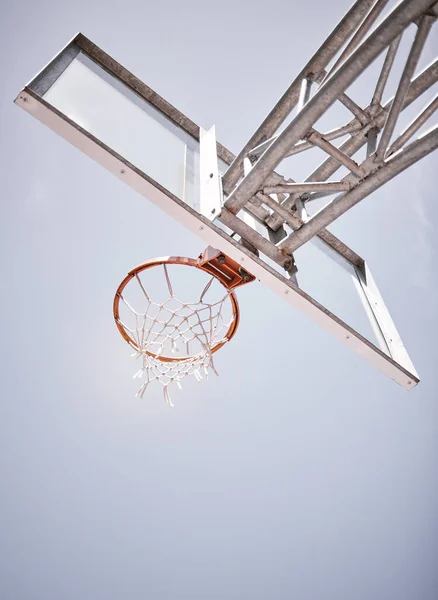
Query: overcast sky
(300,472)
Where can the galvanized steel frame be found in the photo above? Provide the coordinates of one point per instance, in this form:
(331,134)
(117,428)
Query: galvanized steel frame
(267,149)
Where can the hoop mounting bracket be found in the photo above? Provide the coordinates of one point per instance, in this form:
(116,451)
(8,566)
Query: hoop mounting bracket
(227,270)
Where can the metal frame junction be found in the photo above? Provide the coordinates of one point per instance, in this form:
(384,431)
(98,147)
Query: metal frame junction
(251,184)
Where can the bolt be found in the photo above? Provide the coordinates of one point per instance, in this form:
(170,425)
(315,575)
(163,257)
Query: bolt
(211,175)
(122,171)
(244,275)
(221,259)
(347,337)
(286,291)
(201,227)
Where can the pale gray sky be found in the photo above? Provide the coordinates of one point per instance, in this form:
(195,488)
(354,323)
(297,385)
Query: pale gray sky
(301,471)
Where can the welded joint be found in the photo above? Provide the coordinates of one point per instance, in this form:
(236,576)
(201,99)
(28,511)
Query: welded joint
(432,12)
(373,110)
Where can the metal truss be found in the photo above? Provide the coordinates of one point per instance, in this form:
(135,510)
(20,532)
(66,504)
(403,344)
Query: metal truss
(251,185)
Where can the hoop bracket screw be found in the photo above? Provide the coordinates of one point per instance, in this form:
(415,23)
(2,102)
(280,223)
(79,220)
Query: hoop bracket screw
(244,275)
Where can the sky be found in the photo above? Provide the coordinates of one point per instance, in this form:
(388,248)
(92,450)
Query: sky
(300,471)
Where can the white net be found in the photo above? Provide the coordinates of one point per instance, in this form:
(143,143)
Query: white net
(172,338)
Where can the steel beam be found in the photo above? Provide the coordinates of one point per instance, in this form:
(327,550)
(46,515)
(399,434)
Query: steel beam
(333,134)
(318,140)
(360,33)
(414,126)
(328,238)
(249,234)
(392,26)
(354,108)
(386,69)
(316,64)
(422,82)
(401,161)
(405,80)
(307,188)
(340,248)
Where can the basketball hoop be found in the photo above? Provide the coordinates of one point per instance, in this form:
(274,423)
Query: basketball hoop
(159,330)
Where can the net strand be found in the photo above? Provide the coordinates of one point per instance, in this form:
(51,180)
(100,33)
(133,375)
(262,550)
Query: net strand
(201,325)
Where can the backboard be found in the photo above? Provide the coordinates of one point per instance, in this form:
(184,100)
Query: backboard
(97,105)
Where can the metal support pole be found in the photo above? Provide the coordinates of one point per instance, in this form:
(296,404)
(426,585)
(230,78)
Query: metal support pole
(414,126)
(334,134)
(392,26)
(360,33)
(286,216)
(354,108)
(260,213)
(307,188)
(410,155)
(325,235)
(249,234)
(317,63)
(386,69)
(422,82)
(408,71)
(318,140)
(295,223)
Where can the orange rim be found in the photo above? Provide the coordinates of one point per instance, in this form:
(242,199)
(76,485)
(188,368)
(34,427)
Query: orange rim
(173,260)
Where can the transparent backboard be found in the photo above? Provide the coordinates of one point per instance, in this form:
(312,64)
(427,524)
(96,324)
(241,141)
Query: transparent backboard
(96,104)
(134,129)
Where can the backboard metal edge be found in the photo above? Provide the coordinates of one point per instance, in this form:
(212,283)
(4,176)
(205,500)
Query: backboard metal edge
(211,234)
